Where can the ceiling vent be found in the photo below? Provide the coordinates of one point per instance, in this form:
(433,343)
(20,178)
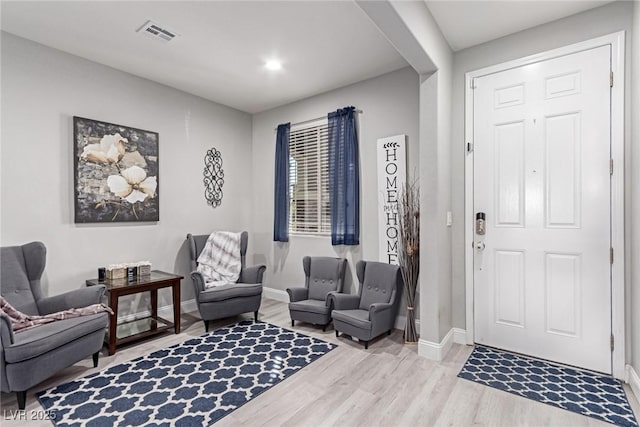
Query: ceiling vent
(157,32)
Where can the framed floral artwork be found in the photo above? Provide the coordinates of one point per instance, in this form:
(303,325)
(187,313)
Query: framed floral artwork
(116,173)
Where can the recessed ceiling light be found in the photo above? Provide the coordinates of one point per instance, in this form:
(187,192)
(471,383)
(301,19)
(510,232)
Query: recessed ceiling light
(273,65)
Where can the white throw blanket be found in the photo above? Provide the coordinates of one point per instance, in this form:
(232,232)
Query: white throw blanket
(219,263)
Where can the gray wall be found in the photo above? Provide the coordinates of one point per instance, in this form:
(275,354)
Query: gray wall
(42,89)
(435,173)
(593,23)
(635,191)
(390,107)
(410,27)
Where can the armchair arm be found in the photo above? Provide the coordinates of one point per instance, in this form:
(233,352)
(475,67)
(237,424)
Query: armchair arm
(378,308)
(6,330)
(252,274)
(342,301)
(77,298)
(298,294)
(6,340)
(198,283)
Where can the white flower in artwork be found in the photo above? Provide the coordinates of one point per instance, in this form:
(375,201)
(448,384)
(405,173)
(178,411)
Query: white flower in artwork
(109,150)
(133,185)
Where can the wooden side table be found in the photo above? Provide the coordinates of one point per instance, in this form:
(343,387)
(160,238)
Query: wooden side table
(120,333)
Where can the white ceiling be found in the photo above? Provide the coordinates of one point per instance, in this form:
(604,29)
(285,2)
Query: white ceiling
(466,23)
(223,45)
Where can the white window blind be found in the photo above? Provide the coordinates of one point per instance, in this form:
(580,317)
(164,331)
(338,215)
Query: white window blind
(309,210)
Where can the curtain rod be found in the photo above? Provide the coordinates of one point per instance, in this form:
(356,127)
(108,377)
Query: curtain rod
(313,120)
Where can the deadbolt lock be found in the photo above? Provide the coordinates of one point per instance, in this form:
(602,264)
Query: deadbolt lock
(480,224)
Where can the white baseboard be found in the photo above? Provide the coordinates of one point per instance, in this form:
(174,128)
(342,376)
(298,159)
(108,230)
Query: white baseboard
(275,294)
(283,296)
(164,311)
(189,306)
(436,351)
(634,381)
(401,321)
(459,336)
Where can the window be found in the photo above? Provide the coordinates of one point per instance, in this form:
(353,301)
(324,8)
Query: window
(309,210)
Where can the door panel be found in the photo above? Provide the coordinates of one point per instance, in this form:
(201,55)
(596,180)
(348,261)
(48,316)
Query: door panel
(541,174)
(562,166)
(509,180)
(509,288)
(562,287)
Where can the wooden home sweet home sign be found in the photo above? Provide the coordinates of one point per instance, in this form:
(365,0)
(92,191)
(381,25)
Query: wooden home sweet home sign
(392,174)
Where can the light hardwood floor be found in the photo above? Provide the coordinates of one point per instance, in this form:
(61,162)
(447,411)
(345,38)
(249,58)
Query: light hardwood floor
(387,385)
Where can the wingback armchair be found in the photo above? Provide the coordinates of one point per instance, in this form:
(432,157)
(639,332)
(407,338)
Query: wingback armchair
(219,302)
(31,356)
(373,310)
(310,303)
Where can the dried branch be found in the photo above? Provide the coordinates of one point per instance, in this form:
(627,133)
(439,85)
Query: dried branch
(409,250)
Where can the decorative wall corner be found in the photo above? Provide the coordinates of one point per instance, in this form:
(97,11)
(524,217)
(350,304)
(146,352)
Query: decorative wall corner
(436,351)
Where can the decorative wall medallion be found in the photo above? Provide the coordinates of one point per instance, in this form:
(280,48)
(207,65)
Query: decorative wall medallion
(213,177)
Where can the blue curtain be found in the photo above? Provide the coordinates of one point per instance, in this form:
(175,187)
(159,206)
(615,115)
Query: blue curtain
(344,177)
(281,190)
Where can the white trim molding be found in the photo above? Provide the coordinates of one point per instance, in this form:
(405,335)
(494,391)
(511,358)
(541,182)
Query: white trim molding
(633,380)
(187,306)
(617,43)
(283,296)
(164,311)
(401,321)
(436,351)
(275,294)
(459,336)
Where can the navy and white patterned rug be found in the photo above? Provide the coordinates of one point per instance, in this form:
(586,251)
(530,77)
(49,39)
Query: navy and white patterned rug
(190,384)
(587,393)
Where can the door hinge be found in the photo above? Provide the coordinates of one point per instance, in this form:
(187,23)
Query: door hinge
(469,147)
(611,255)
(611,167)
(611,79)
(612,342)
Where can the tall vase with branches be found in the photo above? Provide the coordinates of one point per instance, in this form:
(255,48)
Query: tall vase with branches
(409,252)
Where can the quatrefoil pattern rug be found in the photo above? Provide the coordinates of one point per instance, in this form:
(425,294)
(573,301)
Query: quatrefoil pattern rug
(575,390)
(190,384)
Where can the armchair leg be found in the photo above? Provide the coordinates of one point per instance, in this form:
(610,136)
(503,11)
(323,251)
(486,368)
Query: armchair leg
(324,328)
(389,332)
(337,333)
(96,355)
(366,345)
(293,323)
(22,399)
(206,325)
(255,316)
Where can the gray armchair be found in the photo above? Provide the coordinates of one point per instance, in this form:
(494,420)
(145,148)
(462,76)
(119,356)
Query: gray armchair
(33,355)
(227,300)
(373,311)
(310,304)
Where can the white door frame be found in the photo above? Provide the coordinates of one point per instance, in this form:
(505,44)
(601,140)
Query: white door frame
(616,40)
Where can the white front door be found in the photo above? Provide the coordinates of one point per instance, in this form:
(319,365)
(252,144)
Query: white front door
(542,272)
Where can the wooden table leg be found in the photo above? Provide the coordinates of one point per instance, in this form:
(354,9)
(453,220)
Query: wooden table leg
(154,304)
(176,305)
(113,322)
